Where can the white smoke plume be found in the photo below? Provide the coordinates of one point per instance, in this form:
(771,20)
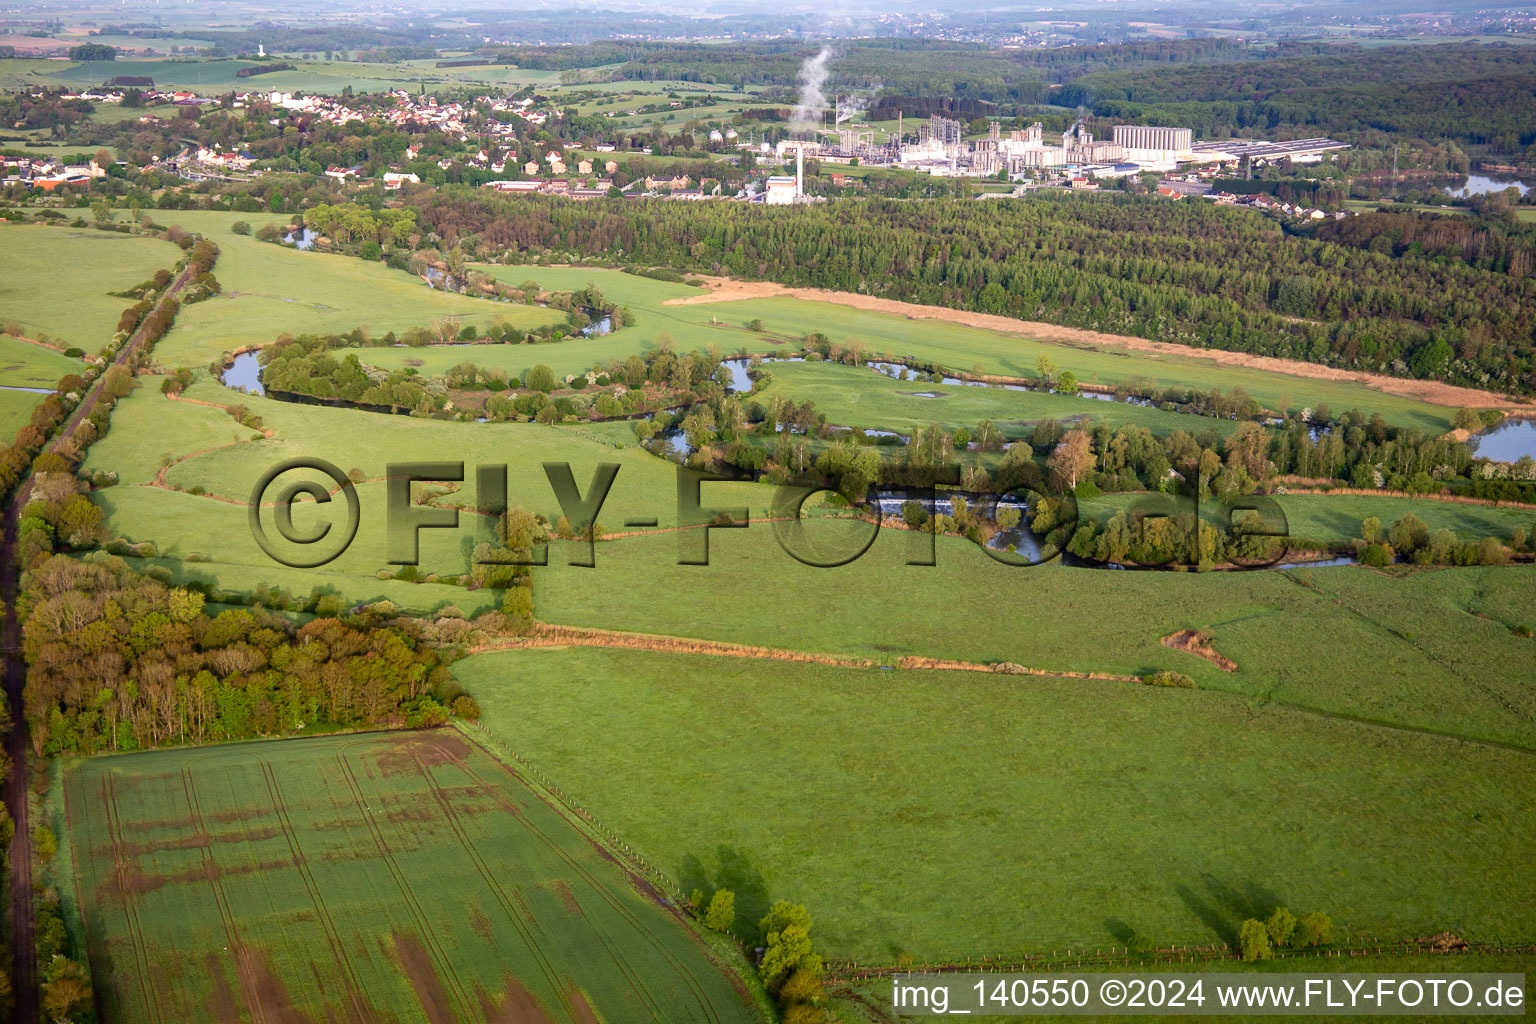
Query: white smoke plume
(856,103)
(812,101)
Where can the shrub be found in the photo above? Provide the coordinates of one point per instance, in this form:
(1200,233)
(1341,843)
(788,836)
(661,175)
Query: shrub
(1166,678)
(241,227)
(466,707)
(1378,556)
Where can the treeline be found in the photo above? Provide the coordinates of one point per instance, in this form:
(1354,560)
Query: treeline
(911,66)
(1474,94)
(1189,273)
(121,661)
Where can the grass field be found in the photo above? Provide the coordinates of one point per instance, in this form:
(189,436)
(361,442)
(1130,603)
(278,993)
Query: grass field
(366,878)
(951,345)
(869,1002)
(147,427)
(57,279)
(1335,517)
(858,395)
(949,813)
(269,289)
(1435,650)
(211,77)
(23,365)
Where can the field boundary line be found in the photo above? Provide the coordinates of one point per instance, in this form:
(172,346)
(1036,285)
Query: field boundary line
(547,635)
(625,863)
(451,818)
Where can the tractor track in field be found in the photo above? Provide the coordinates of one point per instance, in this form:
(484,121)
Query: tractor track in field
(248,980)
(327,924)
(450,816)
(429,938)
(125,892)
(596,884)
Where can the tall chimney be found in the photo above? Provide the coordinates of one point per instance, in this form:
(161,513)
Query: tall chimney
(799,170)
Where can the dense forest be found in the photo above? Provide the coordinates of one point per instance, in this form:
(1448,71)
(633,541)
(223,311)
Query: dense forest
(119,661)
(1190,273)
(1490,243)
(1473,94)
(916,67)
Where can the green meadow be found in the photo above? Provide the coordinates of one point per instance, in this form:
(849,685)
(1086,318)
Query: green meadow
(859,395)
(956,347)
(945,814)
(26,366)
(207,537)
(218,75)
(362,878)
(1438,650)
(57,278)
(270,289)
(1338,517)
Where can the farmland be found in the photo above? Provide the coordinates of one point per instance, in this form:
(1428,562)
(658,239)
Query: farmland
(366,878)
(44,265)
(329,77)
(26,366)
(269,289)
(1048,812)
(1398,651)
(855,395)
(211,452)
(951,345)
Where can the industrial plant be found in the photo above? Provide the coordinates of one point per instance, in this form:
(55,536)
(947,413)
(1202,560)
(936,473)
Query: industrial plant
(939,147)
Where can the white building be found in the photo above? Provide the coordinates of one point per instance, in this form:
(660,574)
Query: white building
(1149,145)
(781,190)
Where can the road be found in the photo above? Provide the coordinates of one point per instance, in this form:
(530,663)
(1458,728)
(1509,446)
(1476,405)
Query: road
(24,989)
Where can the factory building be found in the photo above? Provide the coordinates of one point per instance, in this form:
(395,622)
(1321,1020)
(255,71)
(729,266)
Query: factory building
(941,130)
(1154,146)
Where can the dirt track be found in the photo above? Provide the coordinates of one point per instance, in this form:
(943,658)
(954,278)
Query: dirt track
(550,635)
(1434,392)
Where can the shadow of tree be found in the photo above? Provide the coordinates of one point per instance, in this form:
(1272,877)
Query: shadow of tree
(1223,906)
(733,871)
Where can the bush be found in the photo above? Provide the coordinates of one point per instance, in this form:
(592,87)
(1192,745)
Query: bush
(1378,556)
(1165,678)
(240,227)
(541,378)
(466,707)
